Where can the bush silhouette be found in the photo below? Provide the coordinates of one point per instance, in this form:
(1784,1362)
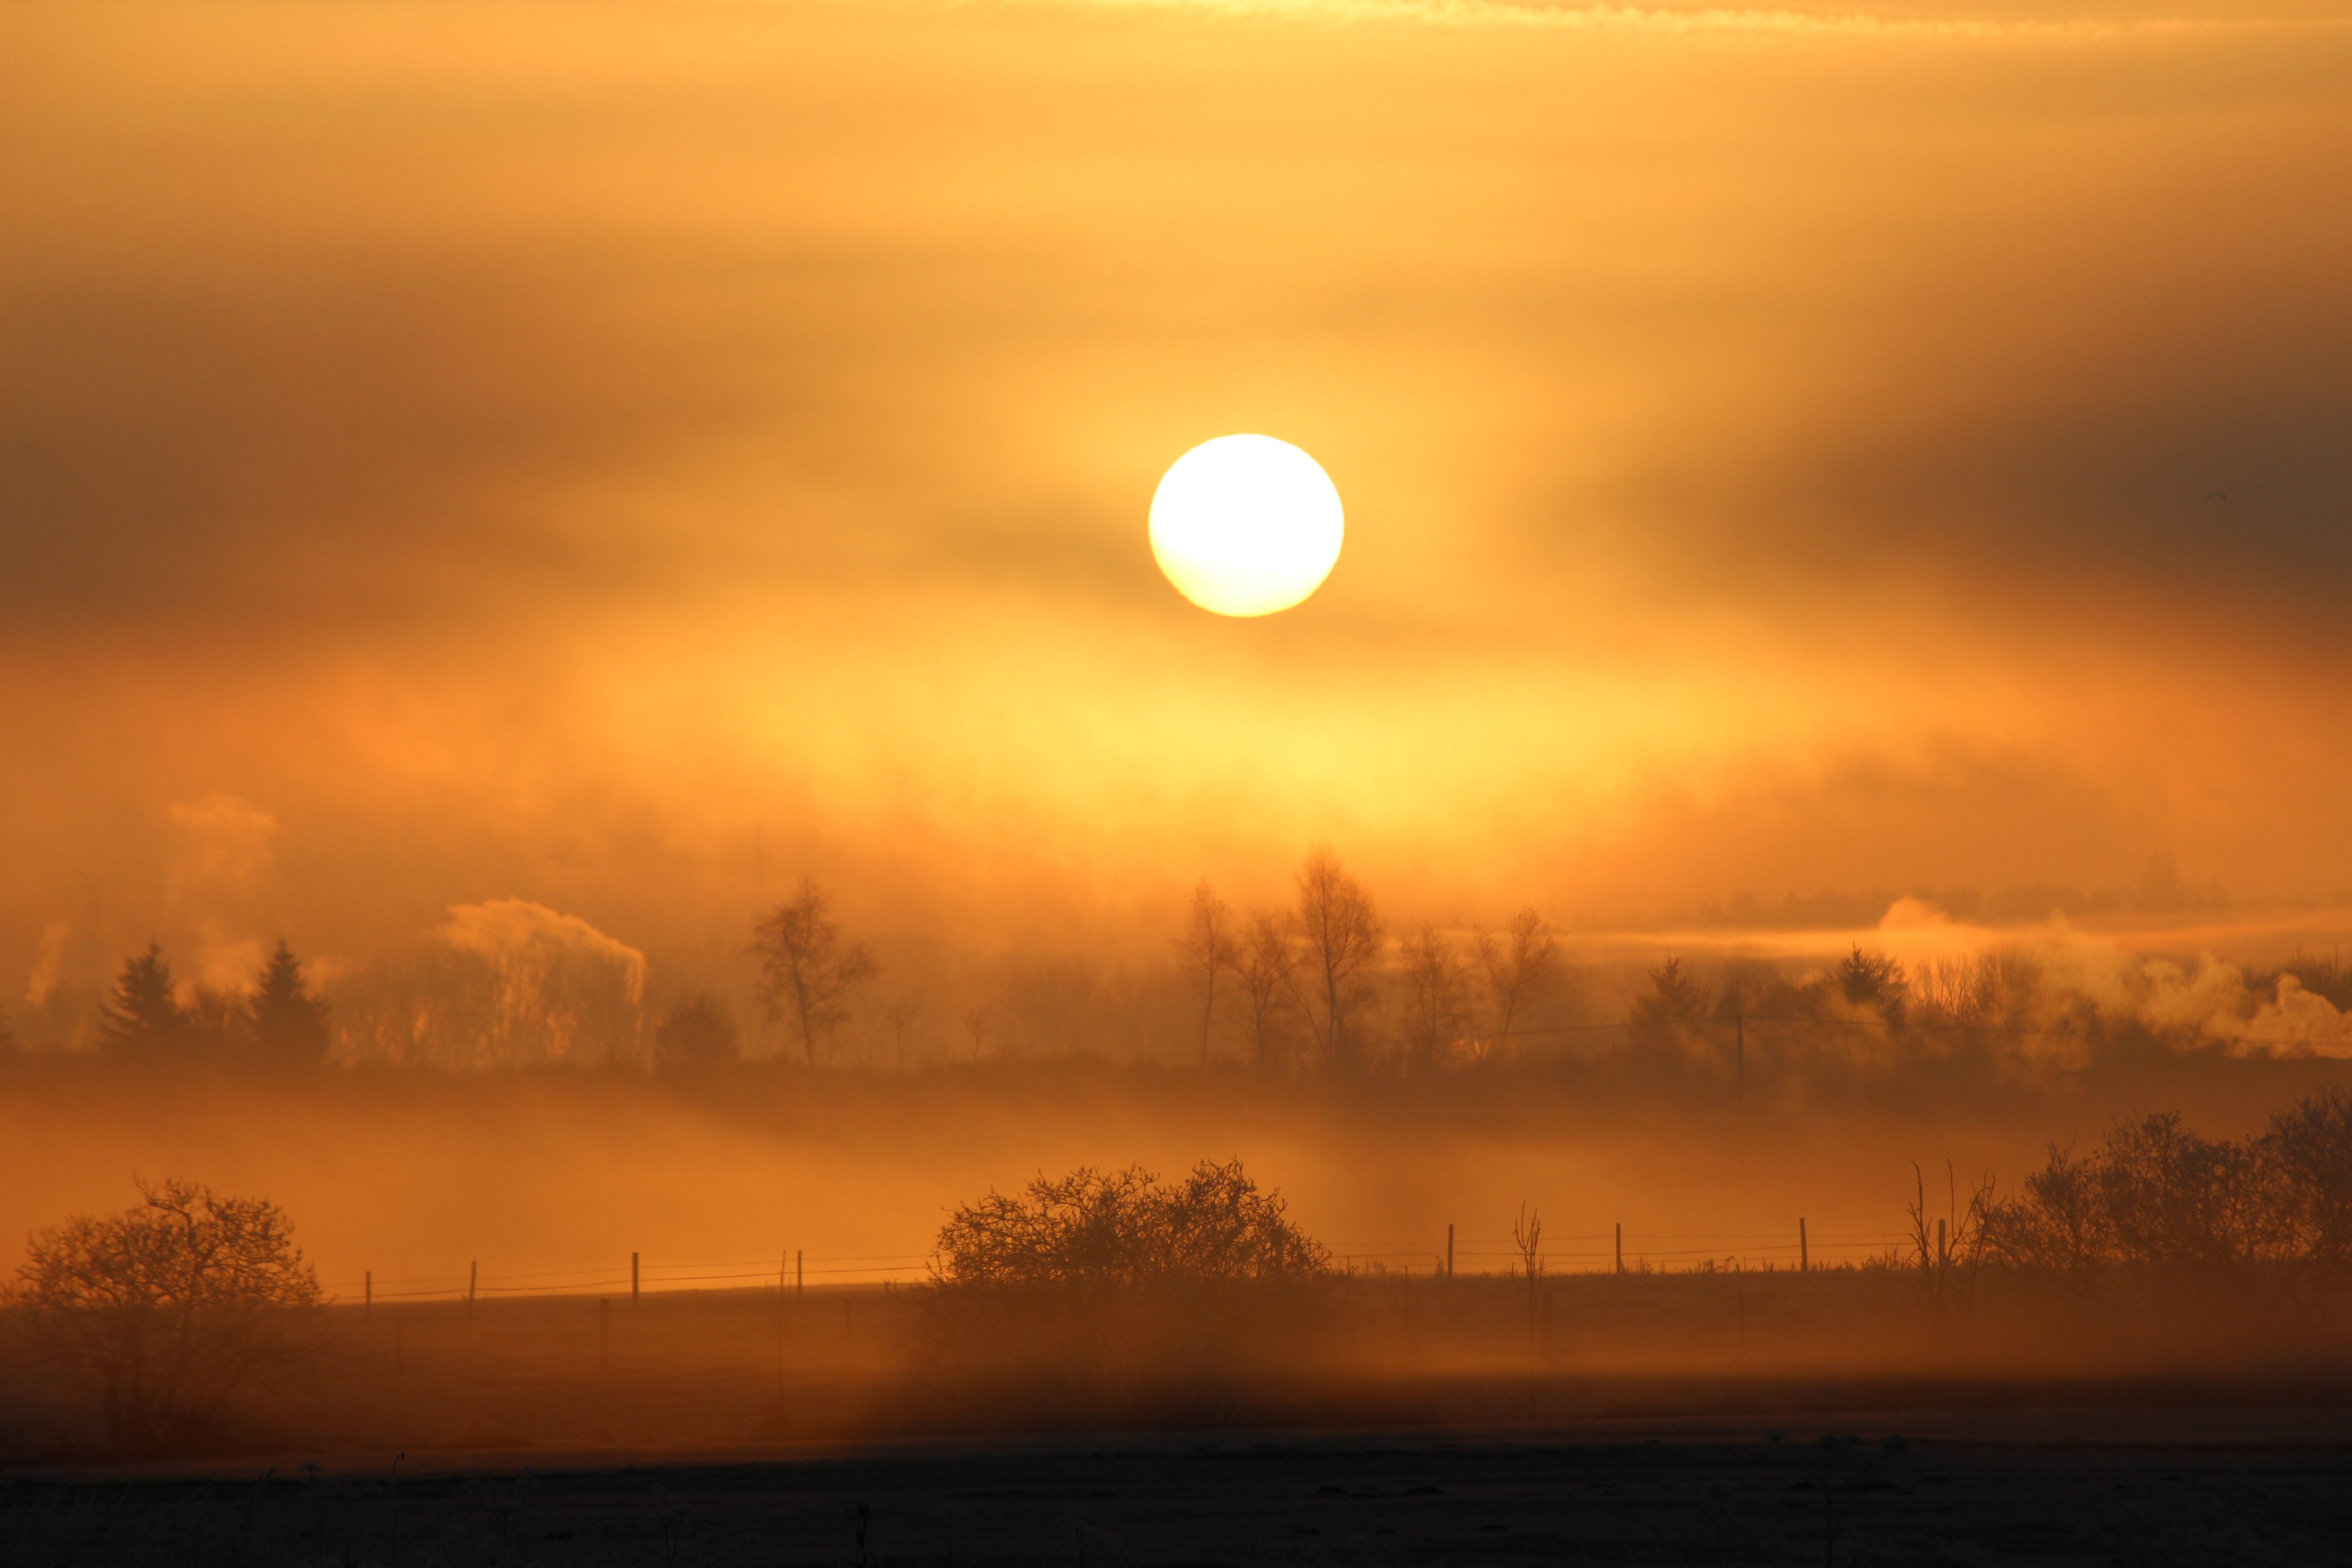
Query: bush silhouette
(1123,1228)
(2158,1199)
(167,1311)
(1109,1295)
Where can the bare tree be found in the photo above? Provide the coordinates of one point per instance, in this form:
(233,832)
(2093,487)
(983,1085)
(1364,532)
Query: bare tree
(168,1310)
(1340,932)
(1517,964)
(1526,1236)
(808,968)
(1431,973)
(981,1021)
(2307,1152)
(901,1015)
(1207,950)
(1267,967)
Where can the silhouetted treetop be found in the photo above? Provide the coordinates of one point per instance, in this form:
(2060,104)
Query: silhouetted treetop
(143,1012)
(1871,979)
(1670,1001)
(289,1023)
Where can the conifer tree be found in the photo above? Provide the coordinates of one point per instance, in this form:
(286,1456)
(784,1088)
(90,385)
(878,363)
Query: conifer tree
(143,1012)
(289,1024)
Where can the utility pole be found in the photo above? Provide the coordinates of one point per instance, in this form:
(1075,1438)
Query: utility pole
(1804,1251)
(1739,1081)
(633,1280)
(1449,1249)
(473,1277)
(367,1296)
(1621,1247)
(800,1274)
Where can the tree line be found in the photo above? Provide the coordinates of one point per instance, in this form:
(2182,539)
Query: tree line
(1314,981)
(1318,980)
(280,1022)
(1311,974)
(2155,1198)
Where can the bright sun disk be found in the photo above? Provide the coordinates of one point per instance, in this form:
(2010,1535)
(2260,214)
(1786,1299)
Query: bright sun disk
(1246,525)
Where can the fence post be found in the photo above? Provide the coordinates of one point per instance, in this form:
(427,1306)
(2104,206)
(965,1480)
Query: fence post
(603,1335)
(800,1274)
(1739,1079)
(1449,1249)
(1805,1250)
(1621,1247)
(367,1292)
(473,1277)
(633,1280)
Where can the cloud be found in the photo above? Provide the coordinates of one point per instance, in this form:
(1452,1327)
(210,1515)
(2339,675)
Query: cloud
(224,847)
(527,939)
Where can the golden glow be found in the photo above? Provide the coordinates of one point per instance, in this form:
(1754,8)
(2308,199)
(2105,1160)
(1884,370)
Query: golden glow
(1246,525)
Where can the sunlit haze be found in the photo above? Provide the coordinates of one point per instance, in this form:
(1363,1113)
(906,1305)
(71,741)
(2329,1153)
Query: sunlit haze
(542,506)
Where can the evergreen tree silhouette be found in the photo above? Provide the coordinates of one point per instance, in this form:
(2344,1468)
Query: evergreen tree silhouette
(289,1024)
(142,1013)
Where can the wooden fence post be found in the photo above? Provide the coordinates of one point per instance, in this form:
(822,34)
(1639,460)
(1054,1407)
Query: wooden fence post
(1805,1250)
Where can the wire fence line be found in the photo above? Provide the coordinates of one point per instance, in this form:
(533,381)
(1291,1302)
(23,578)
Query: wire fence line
(1893,1026)
(790,1271)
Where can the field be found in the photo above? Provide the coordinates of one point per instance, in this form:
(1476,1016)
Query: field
(2047,1486)
(1835,1417)
(685,1370)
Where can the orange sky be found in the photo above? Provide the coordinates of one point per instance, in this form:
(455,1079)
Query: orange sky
(623,454)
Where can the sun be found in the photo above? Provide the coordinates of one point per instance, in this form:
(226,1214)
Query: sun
(1246,525)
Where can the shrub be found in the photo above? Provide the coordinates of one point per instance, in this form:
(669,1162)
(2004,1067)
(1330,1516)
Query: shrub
(2156,1198)
(1109,1295)
(1123,1228)
(167,1311)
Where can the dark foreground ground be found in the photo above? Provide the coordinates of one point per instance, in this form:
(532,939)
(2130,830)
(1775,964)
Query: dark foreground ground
(2212,1487)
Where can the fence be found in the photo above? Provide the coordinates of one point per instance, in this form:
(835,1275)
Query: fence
(1595,1252)
(1618,1250)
